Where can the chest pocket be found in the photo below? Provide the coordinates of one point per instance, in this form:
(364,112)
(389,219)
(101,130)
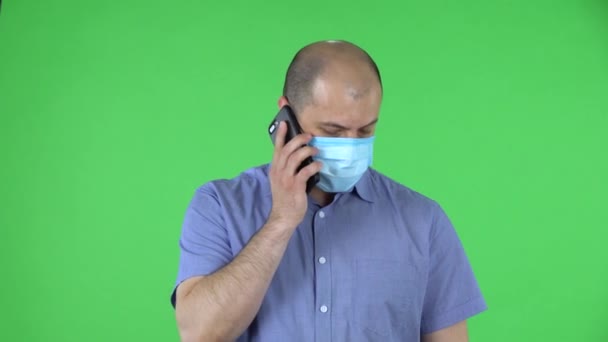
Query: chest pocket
(387,297)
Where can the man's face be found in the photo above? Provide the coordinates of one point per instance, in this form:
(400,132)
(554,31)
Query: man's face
(342,109)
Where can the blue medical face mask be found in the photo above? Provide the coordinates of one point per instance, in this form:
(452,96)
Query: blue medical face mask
(344,160)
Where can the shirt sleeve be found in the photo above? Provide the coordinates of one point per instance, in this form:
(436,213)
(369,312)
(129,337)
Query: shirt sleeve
(204,244)
(452,293)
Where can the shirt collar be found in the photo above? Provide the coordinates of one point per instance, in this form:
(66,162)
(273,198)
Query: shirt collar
(363,188)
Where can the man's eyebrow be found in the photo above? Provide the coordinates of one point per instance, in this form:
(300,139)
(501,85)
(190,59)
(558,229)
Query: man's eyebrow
(338,126)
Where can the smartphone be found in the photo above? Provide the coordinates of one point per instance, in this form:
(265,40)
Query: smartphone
(293,128)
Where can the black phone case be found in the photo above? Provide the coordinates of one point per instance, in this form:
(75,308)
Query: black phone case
(293,128)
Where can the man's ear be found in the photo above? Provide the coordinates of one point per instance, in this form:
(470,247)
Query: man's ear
(282,102)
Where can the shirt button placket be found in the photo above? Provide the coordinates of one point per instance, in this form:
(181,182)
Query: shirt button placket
(323,279)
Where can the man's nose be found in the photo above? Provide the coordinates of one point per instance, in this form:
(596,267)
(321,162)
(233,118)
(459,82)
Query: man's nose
(351,134)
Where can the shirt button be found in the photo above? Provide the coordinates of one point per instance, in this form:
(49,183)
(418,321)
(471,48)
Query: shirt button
(323,309)
(321,214)
(322,260)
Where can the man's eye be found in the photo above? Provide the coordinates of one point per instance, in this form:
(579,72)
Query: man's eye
(331,132)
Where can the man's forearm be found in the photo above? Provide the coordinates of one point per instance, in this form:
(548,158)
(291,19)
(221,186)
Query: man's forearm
(219,307)
(455,333)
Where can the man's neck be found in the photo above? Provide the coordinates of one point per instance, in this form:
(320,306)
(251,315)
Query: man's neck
(321,197)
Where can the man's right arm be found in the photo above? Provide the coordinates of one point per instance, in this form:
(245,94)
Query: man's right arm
(220,306)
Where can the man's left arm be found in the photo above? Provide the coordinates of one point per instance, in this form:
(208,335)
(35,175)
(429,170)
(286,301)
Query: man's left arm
(454,333)
(452,294)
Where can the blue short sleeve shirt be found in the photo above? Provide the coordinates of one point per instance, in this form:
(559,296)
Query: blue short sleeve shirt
(380,263)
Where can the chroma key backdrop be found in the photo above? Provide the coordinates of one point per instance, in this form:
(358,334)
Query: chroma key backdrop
(112,113)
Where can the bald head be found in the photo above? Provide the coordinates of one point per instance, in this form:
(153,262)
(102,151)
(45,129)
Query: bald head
(336,61)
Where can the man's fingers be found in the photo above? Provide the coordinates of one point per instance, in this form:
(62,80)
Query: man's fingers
(295,143)
(279,139)
(308,171)
(296,158)
(289,155)
(292,145)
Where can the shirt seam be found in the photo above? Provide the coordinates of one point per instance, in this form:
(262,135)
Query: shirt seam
(426,323)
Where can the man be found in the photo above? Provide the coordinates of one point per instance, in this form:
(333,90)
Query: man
(359,258)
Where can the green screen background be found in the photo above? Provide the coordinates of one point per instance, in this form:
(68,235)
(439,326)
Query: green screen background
(112,113)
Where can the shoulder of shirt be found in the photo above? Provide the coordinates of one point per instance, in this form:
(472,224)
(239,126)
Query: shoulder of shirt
(252,181)
(385,185)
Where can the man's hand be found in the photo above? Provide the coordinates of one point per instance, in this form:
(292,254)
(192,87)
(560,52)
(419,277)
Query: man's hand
(454,333)
(289,198)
